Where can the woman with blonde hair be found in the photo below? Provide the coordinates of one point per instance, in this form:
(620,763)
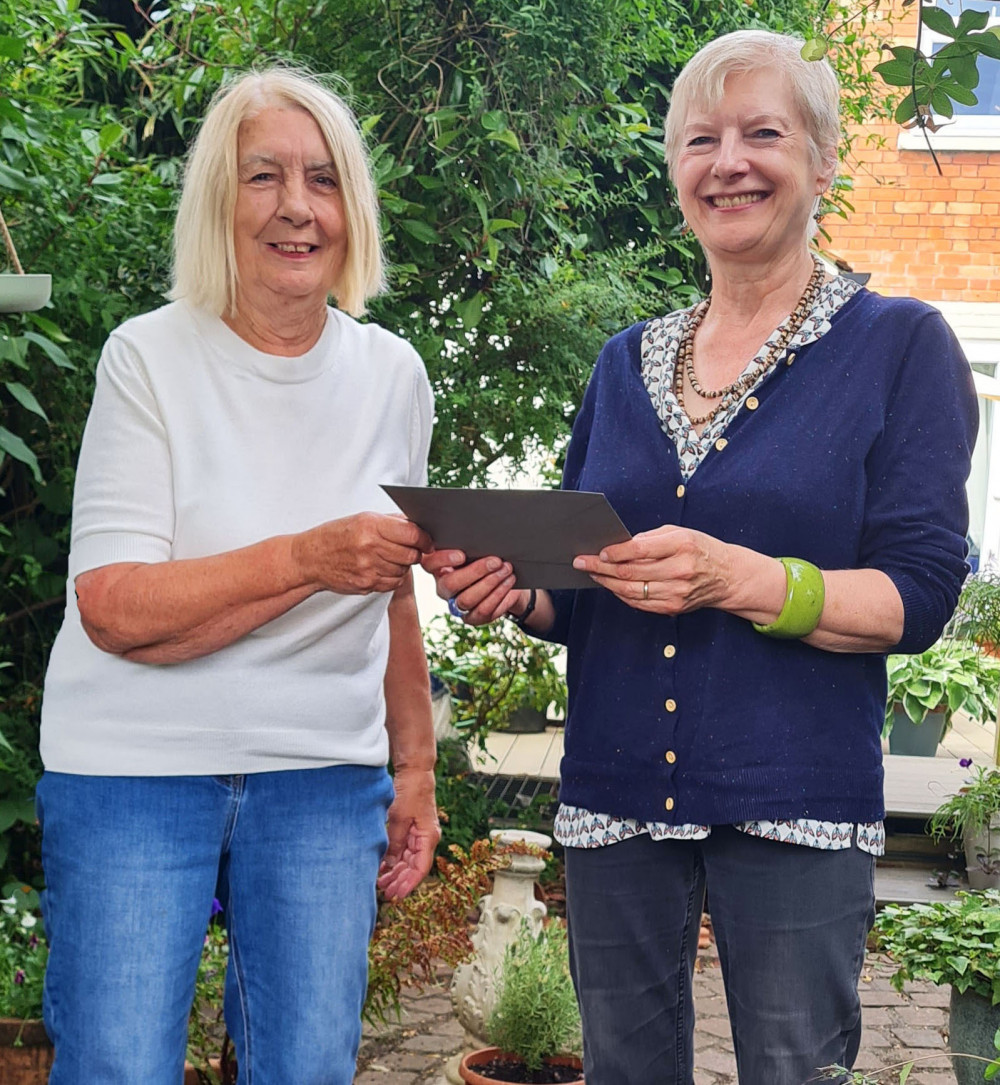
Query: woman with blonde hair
(241,652)
(790,456)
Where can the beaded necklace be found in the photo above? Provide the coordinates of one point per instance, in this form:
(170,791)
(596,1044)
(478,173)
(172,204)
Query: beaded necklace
(684,362)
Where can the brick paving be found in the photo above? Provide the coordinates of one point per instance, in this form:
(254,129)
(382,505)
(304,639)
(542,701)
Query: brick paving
(897,1028)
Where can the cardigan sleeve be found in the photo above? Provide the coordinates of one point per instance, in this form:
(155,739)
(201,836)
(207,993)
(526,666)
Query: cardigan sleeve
(916,511)
(576,454)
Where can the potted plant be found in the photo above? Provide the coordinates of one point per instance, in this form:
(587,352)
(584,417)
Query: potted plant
(955,942)
(972,816)
(926,690)
(497,683)
(534,1026)
(25,1052)
(977,616)
(21,293)
(977,619)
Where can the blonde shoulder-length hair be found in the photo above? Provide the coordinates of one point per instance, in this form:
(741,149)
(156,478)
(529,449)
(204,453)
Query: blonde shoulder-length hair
(205,271)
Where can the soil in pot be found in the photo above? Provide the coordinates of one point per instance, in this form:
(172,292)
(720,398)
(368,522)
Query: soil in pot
(491,1065)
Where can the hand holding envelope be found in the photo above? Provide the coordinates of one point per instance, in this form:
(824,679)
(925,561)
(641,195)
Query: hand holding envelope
(539,532)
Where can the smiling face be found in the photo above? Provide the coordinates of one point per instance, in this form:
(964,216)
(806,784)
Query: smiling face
(289,227)
(746,174)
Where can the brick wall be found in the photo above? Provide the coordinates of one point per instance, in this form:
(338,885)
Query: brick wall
(935,237)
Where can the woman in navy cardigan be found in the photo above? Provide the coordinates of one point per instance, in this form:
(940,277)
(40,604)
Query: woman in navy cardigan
(790,455)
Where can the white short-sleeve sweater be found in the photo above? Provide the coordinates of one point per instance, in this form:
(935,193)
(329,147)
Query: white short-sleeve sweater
(197,444)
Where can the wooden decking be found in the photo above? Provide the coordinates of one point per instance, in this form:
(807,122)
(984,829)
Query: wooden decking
(914,788)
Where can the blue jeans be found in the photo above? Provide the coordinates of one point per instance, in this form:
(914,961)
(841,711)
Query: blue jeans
(131,866)
(790,923)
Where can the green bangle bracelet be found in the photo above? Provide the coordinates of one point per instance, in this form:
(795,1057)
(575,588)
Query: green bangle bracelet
(804,596)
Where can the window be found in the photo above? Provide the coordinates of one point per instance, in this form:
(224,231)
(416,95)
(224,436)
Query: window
(972,127)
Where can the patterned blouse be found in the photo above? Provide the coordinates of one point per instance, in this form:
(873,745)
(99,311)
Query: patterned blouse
(579,828)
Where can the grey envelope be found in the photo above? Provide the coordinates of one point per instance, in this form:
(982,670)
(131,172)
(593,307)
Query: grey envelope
(538,531)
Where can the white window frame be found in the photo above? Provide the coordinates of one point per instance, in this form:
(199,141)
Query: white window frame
(962,132)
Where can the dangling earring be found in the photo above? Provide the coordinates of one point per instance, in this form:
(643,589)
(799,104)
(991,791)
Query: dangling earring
(685,229)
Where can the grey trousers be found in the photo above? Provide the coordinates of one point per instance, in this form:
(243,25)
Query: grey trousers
(790,923)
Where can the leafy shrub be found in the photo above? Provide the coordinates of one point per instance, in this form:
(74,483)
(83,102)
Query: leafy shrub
(950,675)
(492,673)
(949,941)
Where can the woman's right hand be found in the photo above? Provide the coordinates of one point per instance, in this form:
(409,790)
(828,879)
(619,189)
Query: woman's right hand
(480,591)
(359,554)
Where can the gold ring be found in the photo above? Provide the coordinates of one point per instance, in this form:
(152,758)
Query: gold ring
(645,589)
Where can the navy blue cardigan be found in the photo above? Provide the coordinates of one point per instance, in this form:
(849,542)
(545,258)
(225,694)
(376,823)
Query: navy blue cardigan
(856,457)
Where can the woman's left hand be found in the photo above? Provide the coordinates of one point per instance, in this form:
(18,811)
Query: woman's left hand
(414,831)
(669,570)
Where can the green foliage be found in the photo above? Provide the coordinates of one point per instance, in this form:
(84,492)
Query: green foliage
(949,941)
(429,927)
(970,809)
(491,675)
(23,953)
(932,83)
(535,1014)
(206,1028)
(463,805)
(977,617)
(991,1068)
(950,675)
(525,205)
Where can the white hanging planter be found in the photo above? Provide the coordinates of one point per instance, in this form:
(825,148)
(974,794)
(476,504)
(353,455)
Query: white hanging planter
(21,293)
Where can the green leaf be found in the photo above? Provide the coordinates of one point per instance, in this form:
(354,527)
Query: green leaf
(124,41)
(14,179)
(106,179)
(988,43)
(421,230)
(12,48)
(506,136)
(49,328)
(53,350)
(471,311)
(938,20)
(961,62)
(15,810)
(494,120)
(941,103)
(26,398)
(961,94)
(972,19)
(109,135)
(14,446)
(905,1073)
(501,224)
(815,48)
(897,73)
(960,964)
(447,137)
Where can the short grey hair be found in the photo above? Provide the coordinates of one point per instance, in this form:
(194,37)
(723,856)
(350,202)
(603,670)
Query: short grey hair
(813,85)
(205,271)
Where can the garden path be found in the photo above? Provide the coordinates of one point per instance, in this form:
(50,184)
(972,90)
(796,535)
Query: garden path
(897,1028)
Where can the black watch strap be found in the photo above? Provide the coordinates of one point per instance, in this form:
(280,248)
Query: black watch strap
(520,619)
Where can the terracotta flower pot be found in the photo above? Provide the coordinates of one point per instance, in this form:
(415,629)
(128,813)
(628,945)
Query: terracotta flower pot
(468,1067)
(29,1063)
